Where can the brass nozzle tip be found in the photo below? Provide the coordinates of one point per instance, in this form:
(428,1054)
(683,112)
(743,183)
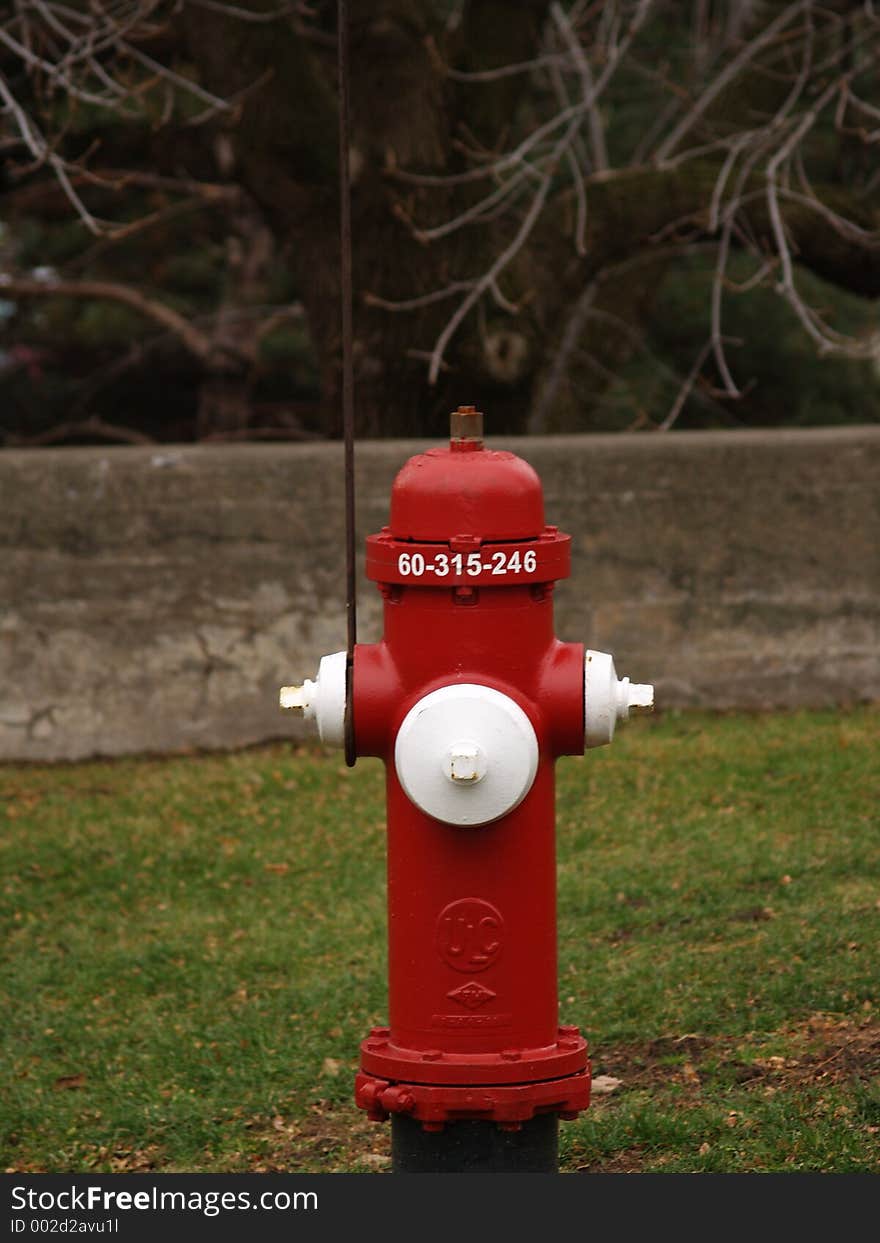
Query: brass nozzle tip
(292,698)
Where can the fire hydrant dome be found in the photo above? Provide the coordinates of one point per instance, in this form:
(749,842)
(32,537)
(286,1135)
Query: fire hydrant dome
(488,493)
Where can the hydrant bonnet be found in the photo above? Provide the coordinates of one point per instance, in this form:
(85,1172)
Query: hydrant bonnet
(491,493)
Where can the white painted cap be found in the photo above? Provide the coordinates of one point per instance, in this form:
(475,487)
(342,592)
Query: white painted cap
(322,701)
(609,699)
(466,754)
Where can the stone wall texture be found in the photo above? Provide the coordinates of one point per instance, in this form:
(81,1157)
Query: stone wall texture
(153,600)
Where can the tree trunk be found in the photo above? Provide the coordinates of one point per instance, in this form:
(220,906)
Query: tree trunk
(403,114)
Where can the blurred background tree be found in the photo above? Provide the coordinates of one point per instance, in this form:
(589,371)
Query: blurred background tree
(626,214)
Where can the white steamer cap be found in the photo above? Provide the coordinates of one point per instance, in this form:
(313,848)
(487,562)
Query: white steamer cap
(466,754)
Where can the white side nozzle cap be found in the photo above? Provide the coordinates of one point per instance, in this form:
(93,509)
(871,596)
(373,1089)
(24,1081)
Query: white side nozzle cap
(322,701)
(608,699)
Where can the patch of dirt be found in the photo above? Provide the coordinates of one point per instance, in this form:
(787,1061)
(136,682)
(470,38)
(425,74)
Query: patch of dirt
(118,1160)
(691,1045)
(827,1050)
(823,1049)
(130,1161)
(331,1139)
(655,1062)
(754,915)
(627,1161)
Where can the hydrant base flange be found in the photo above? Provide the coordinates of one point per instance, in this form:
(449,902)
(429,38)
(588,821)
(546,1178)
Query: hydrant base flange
(381,1057)
(508,1104)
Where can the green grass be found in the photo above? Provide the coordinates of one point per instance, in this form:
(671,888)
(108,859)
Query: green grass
(194,948)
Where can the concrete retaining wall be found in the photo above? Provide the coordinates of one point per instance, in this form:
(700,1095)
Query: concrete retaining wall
(154,599)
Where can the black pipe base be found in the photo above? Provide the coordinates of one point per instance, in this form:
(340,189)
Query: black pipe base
(475,1147)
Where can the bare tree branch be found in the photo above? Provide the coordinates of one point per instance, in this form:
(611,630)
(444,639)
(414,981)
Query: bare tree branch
(490,278)
(568,343)
(686,389)
(192,338)
(92,426)
(596,125)
(728,74)
(827,340)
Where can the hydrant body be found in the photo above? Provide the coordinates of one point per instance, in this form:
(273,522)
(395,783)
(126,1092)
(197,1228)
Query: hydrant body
(469,698)
(467,568)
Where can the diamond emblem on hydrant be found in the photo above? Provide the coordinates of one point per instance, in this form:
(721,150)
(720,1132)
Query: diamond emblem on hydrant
(471,995)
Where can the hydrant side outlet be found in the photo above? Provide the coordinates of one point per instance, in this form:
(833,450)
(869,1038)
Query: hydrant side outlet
(468,698)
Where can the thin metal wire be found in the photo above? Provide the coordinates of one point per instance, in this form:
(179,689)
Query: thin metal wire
(345,284)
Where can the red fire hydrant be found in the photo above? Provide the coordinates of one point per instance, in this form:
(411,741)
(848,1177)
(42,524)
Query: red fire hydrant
(469,698)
